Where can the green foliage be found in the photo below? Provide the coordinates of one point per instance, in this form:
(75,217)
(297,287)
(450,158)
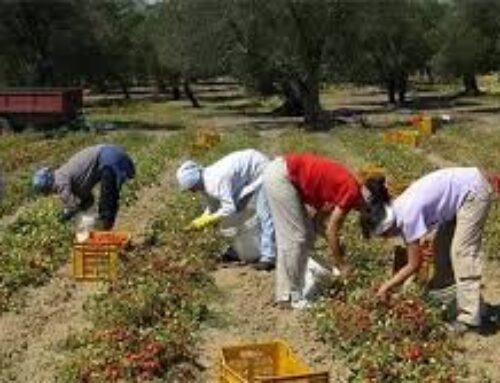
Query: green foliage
(32,249)
(145,325)
(470,34)
(37,242)
(25,152)
(403,340)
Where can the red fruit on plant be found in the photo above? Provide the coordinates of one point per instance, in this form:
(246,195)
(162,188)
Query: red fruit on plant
(112,373)
(154,347)
(412,352)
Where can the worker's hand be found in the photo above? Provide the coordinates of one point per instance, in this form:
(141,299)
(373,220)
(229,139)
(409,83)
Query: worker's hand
(66,214)
(203,221)
(383,294)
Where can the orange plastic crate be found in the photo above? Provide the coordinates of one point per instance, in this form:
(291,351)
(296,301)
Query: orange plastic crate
(119,238)
(405,137)
(428,125)
(272,362)
(97,257)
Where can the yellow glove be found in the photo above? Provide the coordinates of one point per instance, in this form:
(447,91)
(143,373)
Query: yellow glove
(203,221)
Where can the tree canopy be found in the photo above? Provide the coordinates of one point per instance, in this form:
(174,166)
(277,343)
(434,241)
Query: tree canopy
(285,47)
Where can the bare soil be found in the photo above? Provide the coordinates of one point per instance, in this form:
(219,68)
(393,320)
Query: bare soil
(30,338)
(246,314)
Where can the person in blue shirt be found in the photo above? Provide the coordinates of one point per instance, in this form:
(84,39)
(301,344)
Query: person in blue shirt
(106,164)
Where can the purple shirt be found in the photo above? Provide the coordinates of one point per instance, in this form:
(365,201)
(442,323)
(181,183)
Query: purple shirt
(434,199)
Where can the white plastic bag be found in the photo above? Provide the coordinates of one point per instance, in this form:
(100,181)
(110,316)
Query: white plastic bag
(243,229)
(317,279)
(85,224)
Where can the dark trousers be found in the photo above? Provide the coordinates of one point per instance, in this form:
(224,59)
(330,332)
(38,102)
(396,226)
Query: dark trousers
(109,198)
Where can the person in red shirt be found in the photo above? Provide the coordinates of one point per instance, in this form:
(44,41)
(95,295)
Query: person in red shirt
(291,182)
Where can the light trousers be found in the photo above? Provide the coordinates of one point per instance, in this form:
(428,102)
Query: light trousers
(293,231)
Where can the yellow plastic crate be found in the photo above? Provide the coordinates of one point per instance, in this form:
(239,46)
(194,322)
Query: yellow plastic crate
(97,258)
(272,362)
(405,137)
(428,125)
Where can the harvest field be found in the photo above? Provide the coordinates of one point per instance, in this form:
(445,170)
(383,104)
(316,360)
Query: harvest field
(173,305)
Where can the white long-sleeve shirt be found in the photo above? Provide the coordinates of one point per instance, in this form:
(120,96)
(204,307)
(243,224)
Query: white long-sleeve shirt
(233,178)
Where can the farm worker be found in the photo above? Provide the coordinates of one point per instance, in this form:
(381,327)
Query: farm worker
(453,198)
(231,182)
(73,181)
(293,182)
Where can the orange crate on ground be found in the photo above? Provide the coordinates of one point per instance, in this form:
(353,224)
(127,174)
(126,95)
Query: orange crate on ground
(405,137)
(97,257)
(272,362)
(428,125)
(119,238)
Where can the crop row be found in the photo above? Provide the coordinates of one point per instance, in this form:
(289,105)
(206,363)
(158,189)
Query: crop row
(37,243)
(26,156)
(405,339)
(145,325)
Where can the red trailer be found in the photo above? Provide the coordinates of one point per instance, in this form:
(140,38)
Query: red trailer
(31,107)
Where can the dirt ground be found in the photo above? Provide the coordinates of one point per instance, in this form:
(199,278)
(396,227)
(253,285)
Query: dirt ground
(29,339)
(246,313)
(247,299)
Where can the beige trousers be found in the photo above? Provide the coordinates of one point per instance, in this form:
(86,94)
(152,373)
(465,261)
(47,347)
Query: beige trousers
(462,238)
(294,231)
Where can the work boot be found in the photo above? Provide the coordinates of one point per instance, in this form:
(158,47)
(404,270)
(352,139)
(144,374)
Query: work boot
(263,266)
(230,255)
(460,328)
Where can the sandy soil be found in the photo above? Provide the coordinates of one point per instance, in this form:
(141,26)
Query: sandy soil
(246,313)
(29,339)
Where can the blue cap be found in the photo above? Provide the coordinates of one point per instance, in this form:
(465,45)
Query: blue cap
(189,175)
(43,179)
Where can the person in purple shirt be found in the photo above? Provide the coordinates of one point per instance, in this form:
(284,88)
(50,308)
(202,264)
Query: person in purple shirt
(456,197)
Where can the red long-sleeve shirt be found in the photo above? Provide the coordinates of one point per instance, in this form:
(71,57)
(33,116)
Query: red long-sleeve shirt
(323,183)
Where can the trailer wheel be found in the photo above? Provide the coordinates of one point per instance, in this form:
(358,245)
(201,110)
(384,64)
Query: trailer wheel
(5,126)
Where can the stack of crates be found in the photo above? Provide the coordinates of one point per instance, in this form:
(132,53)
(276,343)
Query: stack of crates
(97,257)
(272,362)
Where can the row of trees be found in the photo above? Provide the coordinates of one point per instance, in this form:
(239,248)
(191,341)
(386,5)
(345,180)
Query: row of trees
(288,47)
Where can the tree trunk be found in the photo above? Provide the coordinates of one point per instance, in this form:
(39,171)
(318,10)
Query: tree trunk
(293,105)
(176,92)
(190,95)
(470,84)
(310,96)
(429,74)
(391,91)
(125,90)
(402,87)
(160,86)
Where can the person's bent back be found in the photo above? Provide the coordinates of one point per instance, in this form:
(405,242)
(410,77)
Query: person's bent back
(106,164)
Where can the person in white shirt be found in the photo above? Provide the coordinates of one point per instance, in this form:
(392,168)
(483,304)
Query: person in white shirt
(232,182)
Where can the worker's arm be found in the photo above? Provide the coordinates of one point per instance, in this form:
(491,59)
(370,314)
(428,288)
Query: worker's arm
(332,234)
(69,200)
(226,198)
(411,267)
